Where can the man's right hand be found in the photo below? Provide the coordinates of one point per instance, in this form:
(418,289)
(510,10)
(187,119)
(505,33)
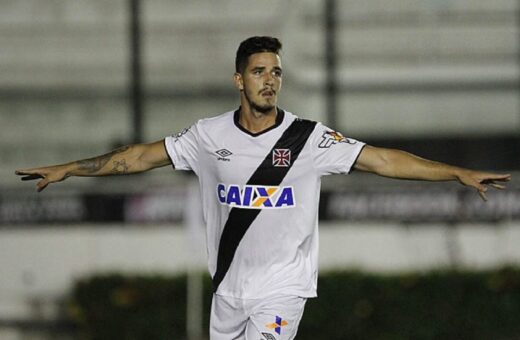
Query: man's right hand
(49,174)
(127,159)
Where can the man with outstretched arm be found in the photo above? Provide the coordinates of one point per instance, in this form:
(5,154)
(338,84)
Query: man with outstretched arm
(260,170)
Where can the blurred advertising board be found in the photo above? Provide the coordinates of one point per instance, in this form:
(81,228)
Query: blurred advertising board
(167,206)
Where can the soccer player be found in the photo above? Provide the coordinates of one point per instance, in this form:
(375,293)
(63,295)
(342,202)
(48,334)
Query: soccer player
(259,169)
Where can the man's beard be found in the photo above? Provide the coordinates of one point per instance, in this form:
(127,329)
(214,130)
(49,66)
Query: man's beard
(257,107)
(261,108)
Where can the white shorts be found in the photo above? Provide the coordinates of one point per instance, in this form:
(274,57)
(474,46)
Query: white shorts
(273,318)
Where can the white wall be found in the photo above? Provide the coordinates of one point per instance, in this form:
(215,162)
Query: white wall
(41,264)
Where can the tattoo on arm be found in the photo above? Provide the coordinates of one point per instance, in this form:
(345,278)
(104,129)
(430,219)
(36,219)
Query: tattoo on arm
(93,165)
(120,167)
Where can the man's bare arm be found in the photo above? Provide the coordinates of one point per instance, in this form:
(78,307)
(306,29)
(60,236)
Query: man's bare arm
(400,164)
(125,160)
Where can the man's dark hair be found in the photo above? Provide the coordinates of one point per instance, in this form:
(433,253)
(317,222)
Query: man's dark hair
(255,45)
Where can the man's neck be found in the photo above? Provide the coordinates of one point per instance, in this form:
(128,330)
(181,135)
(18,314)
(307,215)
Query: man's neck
(255,122)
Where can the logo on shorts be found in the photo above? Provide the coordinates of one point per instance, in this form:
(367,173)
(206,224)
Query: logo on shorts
(268,336)
(277,325)
(330,138)
(282,157)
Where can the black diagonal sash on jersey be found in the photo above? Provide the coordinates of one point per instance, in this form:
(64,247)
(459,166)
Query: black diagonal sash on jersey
(239,219)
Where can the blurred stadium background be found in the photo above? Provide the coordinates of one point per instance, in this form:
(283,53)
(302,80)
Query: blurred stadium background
(440,78)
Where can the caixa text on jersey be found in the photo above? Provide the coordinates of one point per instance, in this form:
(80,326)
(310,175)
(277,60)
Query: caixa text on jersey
(256,196)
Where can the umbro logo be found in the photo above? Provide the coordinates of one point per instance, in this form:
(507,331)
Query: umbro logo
(223,155)
(268,336)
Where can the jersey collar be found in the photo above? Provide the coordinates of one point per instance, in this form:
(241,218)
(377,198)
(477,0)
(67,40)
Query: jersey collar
(279,119)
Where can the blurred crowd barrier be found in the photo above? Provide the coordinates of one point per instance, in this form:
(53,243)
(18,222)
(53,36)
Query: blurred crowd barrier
(421,204)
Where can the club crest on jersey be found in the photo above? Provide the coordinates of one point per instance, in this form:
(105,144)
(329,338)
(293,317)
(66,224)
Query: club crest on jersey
(330,138)
(282,157)
(256,196)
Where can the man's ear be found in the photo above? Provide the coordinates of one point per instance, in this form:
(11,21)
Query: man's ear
(239,82)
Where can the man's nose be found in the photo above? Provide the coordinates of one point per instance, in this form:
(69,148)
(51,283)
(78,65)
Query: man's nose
(269,79)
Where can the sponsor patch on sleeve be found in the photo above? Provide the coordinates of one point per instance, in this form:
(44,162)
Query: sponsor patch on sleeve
(330,138)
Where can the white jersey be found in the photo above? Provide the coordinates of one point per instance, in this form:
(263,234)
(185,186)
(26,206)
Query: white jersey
(260,196)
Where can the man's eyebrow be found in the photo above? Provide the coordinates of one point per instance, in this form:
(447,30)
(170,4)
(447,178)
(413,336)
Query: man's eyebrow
(262,68)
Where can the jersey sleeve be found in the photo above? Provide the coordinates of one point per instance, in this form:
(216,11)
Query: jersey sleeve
(183,149)
(332,152)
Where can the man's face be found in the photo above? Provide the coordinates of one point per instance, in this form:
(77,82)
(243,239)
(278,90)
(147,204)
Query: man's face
(261,81)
